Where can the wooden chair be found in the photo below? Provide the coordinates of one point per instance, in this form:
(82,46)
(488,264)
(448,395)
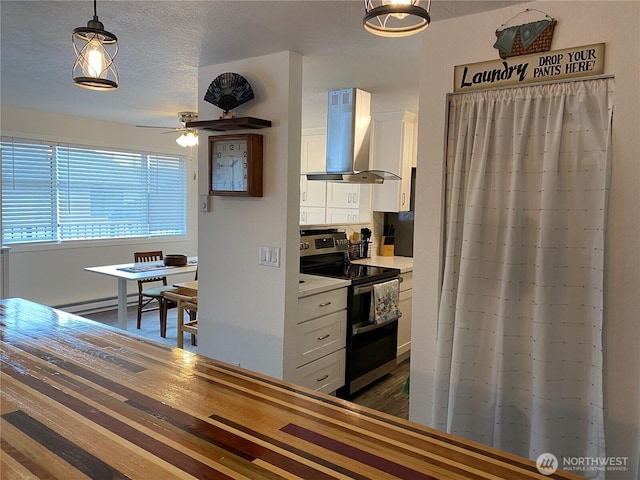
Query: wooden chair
(185,304)
(154,293)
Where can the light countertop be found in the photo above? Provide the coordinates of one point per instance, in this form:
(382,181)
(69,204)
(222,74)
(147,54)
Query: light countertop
(313,284)
(405,264)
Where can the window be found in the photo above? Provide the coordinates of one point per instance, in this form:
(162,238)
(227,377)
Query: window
(55,193)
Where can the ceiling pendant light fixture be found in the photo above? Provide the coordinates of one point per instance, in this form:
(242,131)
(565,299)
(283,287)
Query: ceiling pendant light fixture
(188,139)
(395,18)
(95,50)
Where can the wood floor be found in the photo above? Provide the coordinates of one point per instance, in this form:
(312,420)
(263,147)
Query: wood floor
(385,395)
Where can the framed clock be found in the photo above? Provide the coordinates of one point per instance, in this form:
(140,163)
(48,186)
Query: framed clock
(235,165)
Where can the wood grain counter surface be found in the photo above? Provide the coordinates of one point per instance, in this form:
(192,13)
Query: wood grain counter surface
(82,400)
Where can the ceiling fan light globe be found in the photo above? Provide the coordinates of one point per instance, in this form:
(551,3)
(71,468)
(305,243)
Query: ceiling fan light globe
(187,139)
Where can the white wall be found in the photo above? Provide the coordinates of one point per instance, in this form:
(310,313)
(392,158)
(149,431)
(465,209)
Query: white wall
(53,274)
(244,308)
(579,23)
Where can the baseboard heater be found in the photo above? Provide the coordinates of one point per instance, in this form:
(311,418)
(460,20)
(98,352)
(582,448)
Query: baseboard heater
(96,305)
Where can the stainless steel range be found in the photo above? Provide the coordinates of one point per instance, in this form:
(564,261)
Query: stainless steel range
(371,347)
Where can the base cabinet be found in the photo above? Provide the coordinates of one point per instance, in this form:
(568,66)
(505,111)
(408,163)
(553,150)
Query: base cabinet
(404,324)
(325,374)
(320,341)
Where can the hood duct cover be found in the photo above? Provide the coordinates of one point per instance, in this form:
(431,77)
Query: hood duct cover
(348,128)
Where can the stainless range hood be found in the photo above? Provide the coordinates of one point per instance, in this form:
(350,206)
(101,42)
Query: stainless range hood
(348,127)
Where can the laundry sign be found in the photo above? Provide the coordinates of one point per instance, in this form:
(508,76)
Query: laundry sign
(536,67)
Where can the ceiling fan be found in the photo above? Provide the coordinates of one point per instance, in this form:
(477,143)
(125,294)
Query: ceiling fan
(189,136)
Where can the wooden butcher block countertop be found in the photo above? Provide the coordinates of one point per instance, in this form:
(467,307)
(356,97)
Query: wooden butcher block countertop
(82,400)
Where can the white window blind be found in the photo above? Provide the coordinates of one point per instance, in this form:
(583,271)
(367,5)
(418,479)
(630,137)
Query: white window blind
(28,193)
(94,193)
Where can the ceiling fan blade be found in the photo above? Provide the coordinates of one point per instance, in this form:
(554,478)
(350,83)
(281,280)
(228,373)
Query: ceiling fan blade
(173,129)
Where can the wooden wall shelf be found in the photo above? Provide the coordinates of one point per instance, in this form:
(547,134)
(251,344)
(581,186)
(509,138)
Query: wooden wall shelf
(226,124)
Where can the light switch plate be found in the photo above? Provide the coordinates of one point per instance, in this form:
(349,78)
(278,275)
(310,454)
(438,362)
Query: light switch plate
(269,256)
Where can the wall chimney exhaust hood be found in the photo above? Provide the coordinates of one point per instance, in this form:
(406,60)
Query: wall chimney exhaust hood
(348,128)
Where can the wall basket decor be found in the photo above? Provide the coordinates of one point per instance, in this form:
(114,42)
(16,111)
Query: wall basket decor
(527,38)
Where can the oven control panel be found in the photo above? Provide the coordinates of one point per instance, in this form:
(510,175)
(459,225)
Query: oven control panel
(319,243)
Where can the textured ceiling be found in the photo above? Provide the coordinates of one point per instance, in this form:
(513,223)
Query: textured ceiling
(162,44)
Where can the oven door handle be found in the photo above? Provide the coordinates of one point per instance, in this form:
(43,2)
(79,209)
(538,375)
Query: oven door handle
(360,289)
(364,327)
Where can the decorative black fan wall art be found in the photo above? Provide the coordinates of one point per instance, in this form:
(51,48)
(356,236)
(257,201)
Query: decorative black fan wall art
(229,91)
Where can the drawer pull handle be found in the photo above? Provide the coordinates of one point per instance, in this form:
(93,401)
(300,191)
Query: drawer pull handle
(322,378)
(325,304)
(322,337)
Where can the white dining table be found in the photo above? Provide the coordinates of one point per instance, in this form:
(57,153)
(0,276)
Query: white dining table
(138,271)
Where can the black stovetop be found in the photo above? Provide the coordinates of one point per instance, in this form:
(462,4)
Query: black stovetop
(357,273)
(324,252)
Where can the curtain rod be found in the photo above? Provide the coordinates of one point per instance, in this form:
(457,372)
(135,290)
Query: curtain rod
(548,82)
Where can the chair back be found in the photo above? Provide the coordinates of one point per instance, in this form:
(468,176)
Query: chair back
(155,256)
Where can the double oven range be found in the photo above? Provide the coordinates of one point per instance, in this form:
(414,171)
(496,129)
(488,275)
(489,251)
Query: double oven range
(371,348)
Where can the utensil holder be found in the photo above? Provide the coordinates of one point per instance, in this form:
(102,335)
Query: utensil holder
(359,250)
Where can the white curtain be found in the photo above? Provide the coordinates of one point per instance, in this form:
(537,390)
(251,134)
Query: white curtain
(519,347)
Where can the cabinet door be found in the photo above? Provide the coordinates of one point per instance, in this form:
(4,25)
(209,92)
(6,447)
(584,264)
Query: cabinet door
(325,374)
(312,193)
(343,195)
(314,153)
(343,215)
(312,216)
(392,150)
(320,336)
(313,159)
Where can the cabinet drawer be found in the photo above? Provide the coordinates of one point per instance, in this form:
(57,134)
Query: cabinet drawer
(321,336)
(325,374)
(322,304)
(407,281)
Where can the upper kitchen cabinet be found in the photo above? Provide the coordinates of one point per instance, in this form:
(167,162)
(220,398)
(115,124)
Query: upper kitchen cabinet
(324,202)
(348,202)
(393,150)
(313,195)
(313,159)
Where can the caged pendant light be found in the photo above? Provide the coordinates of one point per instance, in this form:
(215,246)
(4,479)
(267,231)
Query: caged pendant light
(95,49)
(395,18)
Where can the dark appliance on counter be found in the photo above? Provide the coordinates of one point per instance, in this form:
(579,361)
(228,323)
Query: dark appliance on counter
(371,348)
(403,224)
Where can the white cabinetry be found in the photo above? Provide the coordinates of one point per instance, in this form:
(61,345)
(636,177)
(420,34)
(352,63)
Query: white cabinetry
(343,215)
(343,195)
(327,202)
(404,324)
(313,195)
(312,215)
(320,340)
(343,202)
(393,150)
(314,152)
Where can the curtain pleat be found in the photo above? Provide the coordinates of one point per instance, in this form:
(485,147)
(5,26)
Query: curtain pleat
(519,348)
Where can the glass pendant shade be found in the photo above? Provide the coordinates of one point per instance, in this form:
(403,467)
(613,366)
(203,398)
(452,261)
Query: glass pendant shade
(395,18)
(188,139)
(95,49)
